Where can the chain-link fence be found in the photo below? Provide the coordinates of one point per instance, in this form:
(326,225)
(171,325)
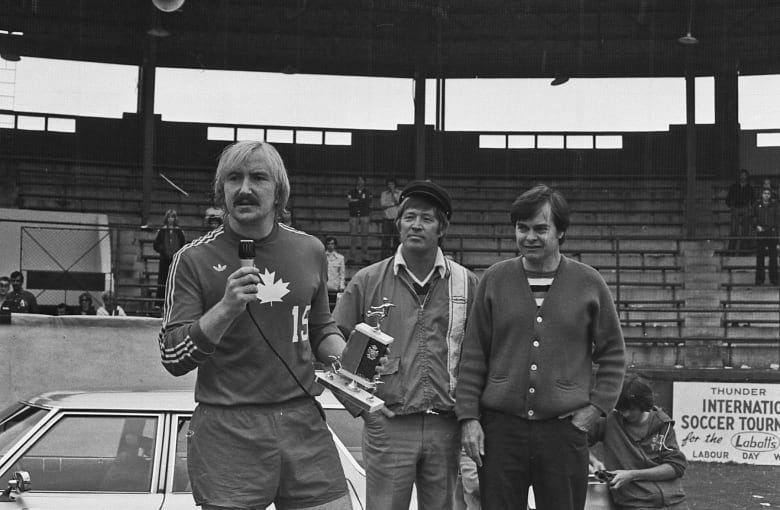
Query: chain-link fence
(62,262)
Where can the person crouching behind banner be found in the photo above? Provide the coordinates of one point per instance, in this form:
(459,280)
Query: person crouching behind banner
(642,462)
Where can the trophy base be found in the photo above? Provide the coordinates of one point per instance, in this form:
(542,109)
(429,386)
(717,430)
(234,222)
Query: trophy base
(349,390)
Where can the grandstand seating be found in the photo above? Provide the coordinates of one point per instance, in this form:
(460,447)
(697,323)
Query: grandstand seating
(629,231)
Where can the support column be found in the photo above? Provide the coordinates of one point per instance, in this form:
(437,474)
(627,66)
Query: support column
(690,144)
(437,154)
(146,111)
(419,123)
(727,121)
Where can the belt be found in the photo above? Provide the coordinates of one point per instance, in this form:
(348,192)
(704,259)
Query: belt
(440,412)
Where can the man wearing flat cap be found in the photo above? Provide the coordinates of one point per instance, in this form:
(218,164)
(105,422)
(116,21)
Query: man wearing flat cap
(415,439)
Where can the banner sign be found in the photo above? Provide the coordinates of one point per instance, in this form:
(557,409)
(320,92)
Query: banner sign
(728,422)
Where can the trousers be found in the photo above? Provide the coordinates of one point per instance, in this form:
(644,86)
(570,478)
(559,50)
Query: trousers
(421,450)
(550,455)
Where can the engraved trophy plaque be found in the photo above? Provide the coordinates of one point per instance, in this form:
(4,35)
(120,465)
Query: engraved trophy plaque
(353,376)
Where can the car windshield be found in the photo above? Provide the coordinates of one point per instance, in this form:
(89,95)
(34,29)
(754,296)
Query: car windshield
(15,421)
(92,453)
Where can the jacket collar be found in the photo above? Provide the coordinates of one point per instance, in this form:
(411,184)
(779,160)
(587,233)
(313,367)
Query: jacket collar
(439,264)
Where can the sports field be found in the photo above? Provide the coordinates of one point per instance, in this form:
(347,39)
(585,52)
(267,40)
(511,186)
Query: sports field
(712,486)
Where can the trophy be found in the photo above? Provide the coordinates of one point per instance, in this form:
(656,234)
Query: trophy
(353,376)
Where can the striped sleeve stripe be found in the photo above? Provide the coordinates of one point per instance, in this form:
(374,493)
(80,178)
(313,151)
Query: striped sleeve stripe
(171,281)
(179,350)
(186,350)
(293,230)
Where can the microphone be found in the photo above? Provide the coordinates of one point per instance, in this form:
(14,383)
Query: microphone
(246,252)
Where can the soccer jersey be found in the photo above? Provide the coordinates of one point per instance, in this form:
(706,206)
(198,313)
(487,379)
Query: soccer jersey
(291,312)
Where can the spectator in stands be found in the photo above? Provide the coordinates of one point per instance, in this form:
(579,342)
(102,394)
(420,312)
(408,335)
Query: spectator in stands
(767,184)
(389,200)
(85,304)
(5,288)
(414,438)
(169,240)
(336,270)
(359,204)
(252,332)
(62,309)
(110,307)
(213,217)
(765,222)
(526,392)
(642,462)
(20,300)
(740,200)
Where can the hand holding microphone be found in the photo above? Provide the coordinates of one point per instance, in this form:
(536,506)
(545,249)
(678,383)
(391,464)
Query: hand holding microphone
(241,285)
(246,252)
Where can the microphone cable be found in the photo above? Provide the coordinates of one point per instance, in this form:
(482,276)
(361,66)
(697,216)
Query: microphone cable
(286,366)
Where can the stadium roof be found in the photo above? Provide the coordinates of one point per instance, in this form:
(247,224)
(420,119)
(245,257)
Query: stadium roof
(398,38)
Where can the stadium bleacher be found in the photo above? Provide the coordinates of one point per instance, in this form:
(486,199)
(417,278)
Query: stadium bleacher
(631,233)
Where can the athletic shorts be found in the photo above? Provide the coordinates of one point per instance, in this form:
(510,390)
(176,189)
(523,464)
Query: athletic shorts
(250,456)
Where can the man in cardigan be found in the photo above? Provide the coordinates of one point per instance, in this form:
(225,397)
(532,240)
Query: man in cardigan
(415,438)
(526,393)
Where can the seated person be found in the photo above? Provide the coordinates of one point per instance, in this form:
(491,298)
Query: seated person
(85,304)
(642,462)
(19,299)
(213,217)
(110,308)
(5,288)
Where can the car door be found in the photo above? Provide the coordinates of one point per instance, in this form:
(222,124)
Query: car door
(178,495)
(90,460)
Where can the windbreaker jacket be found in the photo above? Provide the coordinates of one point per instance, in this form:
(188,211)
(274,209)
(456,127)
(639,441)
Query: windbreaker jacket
(423,361)
(659,446)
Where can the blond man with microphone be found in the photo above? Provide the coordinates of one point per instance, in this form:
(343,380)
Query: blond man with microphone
(251,324)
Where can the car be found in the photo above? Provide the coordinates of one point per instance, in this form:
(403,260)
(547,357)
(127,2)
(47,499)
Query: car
(70,450)
(121,450)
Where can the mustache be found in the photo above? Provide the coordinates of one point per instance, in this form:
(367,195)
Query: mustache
(245,200)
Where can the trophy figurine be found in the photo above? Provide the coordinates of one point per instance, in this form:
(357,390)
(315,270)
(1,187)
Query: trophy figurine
(353,376)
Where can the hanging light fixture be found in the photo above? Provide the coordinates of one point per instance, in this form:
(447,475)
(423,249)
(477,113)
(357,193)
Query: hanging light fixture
(688,38)
(158,30)
(168,5)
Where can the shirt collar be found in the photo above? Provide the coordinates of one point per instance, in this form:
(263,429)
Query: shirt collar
(439,264)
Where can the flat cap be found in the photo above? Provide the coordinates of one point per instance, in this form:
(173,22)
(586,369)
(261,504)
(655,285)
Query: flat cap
(431,192)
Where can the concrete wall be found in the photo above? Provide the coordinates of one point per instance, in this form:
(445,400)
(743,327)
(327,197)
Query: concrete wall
(43,353)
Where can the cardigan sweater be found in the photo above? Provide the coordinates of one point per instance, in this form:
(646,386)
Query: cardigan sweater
(537,363)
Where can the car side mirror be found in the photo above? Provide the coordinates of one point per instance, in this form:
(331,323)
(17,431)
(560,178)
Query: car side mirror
(19,483)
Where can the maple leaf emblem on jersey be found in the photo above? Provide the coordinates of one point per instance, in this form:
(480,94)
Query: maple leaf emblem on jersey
(269,290)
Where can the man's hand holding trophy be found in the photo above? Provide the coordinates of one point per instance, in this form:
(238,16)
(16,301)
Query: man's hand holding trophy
(354,377)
